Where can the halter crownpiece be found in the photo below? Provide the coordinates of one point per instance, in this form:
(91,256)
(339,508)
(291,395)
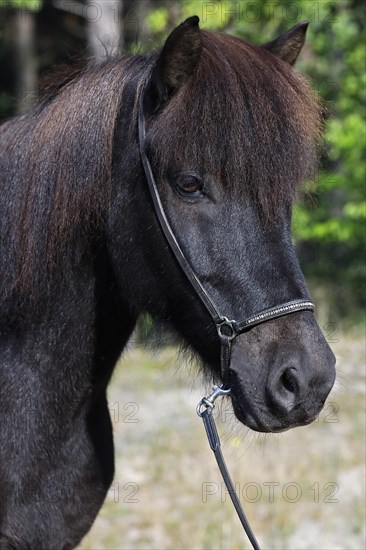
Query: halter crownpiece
(227,330)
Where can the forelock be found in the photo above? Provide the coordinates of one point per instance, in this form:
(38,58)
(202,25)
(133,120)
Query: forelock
(246,116)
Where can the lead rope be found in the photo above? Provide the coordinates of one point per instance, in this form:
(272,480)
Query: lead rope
(204,410)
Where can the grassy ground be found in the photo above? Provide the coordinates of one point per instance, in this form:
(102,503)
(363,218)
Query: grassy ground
(302,489)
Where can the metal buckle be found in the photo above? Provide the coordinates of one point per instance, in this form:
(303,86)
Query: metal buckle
(209,402)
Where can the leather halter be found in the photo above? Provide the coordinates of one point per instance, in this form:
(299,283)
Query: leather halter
(227,329)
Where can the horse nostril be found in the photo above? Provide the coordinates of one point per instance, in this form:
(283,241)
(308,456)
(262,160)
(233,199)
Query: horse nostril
(298,388)
(289,380)
(284,389)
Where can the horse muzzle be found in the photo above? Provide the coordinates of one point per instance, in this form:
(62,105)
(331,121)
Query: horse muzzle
(282,391)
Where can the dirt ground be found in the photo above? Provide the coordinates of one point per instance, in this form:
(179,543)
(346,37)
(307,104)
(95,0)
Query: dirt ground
(304,489)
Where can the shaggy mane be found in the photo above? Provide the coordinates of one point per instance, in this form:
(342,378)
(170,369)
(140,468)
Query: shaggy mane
(244,115)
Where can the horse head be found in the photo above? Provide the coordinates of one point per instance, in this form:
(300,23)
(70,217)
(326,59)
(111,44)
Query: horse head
(231,132)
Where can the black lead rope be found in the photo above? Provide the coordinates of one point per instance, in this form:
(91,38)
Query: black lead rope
(214,441)
(226,330)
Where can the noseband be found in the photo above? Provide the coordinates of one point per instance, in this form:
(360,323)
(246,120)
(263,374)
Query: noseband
(227,330)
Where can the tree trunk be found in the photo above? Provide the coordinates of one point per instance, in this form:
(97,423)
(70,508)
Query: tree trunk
(26,88)
(104,29)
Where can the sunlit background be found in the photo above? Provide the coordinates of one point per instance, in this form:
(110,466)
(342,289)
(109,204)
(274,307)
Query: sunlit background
(301,490)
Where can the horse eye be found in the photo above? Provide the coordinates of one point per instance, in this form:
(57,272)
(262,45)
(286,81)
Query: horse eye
(189,185)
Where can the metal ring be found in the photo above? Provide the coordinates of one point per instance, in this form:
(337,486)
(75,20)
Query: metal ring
(229,326)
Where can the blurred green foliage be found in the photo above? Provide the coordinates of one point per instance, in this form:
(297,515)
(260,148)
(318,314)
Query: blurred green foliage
(33,5)
(334,221)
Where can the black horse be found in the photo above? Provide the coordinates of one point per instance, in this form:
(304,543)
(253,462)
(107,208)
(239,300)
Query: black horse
(232,130)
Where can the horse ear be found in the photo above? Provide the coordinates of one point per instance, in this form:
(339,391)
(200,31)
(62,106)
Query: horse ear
(288,46)
(175,64)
